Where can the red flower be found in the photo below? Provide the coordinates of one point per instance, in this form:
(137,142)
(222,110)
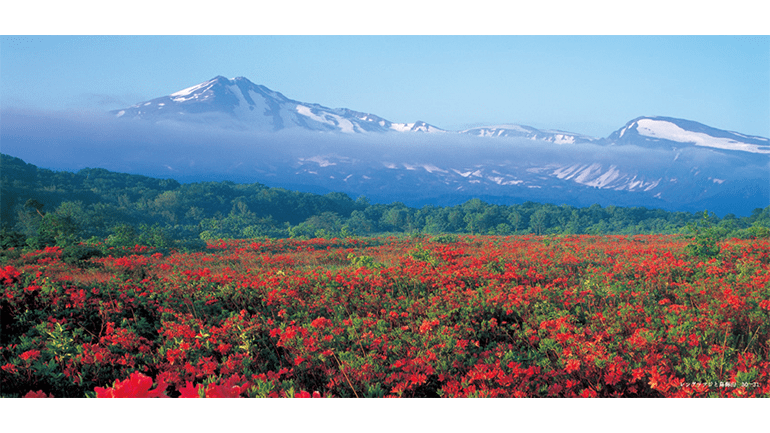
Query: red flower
(305,394)
(9,275)
(427,325)
(37,394)
(693,340)
(30,355)
(572,365)
(190,391)
(554,389)
(320,323)
(492,323)
(417,379)
(612,378)
(136,386)
(228,389)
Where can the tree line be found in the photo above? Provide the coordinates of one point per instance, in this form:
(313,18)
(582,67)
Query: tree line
(40,207)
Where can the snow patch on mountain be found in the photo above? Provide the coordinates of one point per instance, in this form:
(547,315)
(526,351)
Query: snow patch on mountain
(563,139)
(430,168)
(415,127)
(596,176)
(401,127)
(344,125)
(528,132)
(320,160)
(670,131)
(189,90)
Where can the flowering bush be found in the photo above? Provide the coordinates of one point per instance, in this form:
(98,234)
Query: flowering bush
(574,316)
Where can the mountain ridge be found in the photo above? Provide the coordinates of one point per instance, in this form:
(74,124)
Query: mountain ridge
(255,106)
(241,104)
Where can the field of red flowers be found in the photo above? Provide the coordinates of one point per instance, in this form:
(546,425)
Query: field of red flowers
(532,316)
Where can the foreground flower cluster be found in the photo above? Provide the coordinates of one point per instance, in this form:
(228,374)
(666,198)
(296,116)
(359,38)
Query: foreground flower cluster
(577,316)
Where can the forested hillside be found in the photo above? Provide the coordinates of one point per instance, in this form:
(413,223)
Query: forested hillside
(43,207)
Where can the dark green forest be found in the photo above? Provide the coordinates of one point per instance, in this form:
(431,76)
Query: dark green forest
(42,207)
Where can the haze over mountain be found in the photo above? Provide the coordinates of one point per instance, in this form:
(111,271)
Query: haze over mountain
(233,129)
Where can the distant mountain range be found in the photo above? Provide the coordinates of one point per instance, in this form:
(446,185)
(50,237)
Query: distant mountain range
(233,129)
(240,104)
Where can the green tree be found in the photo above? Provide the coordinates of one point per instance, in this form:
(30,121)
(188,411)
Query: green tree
(537,221)
(54,230)
(394,219)
(436,223)
(358,224)
(514,219)
(705,244)
(123,235)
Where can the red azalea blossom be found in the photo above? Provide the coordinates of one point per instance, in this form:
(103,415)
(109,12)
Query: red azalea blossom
(10,368)
(190,391)
(37,394)
(226,390)
(320,323)
(305,394)
(30,355)
(572,365)
(136,386)
(9,275)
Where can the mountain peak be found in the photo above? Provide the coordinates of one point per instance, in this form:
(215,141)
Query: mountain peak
(238,103)
(671,132)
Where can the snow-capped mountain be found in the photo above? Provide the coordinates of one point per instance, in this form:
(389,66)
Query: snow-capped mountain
(671,133)
(528,132)
(240,104)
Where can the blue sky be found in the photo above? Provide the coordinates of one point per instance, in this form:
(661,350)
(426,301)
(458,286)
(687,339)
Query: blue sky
(585,84)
